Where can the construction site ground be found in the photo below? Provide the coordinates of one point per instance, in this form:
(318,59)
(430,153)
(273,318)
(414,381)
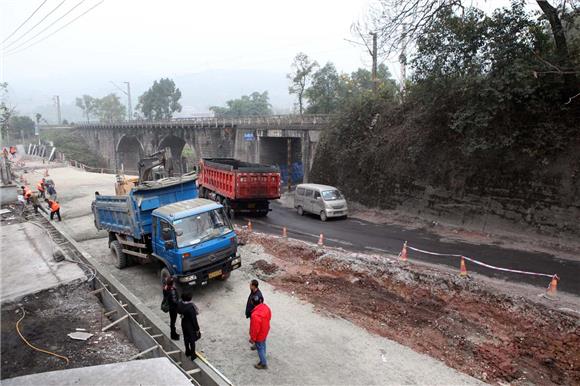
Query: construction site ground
(337,315)
(50,316)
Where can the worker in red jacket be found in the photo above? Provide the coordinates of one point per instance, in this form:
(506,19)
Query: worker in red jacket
(40,188)
(259,328)
(54,208)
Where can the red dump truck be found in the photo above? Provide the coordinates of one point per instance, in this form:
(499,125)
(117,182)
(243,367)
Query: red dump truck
(241,187)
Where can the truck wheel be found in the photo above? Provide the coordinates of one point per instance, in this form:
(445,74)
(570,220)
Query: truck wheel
(225,276)
(300,211)
(164,274)
(323,216)
(119,255)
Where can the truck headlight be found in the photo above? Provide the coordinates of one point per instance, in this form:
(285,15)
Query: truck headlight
(185,279)
(237,260)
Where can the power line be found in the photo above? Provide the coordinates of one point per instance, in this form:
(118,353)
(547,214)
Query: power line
(24,22)
(61,28)
(50,25)
(34,26)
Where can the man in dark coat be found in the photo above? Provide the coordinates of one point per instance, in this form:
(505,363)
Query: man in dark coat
(170,296)
(189,324)
(254,291)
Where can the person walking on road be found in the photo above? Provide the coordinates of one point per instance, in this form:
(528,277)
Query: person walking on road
(189,325)
(170,297)
(51,191)
(54,208)
(254,291)
(259,329)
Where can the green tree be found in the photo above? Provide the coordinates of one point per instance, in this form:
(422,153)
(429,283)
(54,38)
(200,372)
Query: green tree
(110,109)
(6,112)
(21,126)
(160,101)
(88,104)
(300,77)
(324,92)
(255,104)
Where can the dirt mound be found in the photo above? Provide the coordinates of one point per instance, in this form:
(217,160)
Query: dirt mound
(491,336)
(265,267)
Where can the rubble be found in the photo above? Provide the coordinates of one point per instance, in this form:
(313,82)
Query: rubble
(493,336)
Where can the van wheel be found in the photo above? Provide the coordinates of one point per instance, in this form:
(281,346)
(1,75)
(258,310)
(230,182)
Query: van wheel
(120,256)
(225,276)
(300,211)
(323,216)
(164,274)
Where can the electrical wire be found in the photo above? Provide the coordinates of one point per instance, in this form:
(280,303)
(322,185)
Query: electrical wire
(34,26)
(24,22)
(61,28)
(32,346)
(50,25)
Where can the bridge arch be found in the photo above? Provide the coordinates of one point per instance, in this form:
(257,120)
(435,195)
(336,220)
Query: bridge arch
(129,152)
(175,146)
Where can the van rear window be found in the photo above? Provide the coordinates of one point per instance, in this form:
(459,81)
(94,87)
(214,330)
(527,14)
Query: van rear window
(300,191)
(309,193)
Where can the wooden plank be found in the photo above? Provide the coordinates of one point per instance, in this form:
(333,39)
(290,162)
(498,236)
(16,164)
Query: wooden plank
(156,336)
(143,352)
(97,291)
(110,312)
(194,371)
(172,352)
(138,254)
(114,323)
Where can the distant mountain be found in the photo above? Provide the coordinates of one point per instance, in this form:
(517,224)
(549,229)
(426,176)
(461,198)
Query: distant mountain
(199,91)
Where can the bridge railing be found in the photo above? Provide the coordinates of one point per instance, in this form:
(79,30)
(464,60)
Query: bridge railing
(269,120)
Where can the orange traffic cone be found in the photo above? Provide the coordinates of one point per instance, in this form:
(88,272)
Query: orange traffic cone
(46,172)
(250,226)
(321,240)
(284,232)
(403,254)
(463,268)
(552,288)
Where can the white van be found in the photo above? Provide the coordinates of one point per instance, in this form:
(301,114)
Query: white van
(322,200)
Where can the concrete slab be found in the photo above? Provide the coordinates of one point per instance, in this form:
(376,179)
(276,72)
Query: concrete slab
(157,371)
(27,263)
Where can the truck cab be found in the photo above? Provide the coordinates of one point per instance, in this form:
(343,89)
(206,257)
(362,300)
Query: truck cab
(195,241)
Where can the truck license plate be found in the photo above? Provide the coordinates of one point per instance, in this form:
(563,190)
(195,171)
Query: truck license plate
(215,274)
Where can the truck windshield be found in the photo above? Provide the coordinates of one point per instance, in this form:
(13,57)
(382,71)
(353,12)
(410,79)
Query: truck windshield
(201,227)
(331,195)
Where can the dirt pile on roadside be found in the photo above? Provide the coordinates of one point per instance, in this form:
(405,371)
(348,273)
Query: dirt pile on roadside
(492,336)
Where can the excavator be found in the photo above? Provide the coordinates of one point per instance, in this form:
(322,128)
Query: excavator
(151,168)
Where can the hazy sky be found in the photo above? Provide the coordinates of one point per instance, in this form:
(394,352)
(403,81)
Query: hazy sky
(155,38)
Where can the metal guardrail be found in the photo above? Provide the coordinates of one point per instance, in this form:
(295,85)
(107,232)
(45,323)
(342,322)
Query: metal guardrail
(270,120)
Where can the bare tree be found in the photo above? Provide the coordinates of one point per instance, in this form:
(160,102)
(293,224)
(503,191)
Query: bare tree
(303,69)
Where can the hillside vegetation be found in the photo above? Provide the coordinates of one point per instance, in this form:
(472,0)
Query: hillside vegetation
(488,123)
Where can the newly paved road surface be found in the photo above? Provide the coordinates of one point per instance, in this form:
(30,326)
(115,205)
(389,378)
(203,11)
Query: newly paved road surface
(357,235)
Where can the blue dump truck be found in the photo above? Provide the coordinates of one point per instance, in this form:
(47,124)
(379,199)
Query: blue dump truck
(191,238)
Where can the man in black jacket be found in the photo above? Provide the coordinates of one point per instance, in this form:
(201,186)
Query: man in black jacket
(189,324)
(170,296)
(254,291)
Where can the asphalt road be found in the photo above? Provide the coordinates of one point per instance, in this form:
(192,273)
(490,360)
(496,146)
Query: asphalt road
(358,235)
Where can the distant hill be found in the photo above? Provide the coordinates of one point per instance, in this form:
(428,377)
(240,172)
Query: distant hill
(199,91)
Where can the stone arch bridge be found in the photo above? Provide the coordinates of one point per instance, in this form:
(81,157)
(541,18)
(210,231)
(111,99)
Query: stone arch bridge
(288,141)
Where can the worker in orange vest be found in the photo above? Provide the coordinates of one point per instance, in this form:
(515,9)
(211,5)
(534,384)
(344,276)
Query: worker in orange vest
(40,188)
(54,208)
(27,193)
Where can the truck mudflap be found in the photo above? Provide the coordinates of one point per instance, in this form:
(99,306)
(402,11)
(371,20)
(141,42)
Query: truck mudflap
(216,270)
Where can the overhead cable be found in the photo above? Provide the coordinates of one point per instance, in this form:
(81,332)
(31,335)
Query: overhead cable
(61,28)
(24,22)
(34,26)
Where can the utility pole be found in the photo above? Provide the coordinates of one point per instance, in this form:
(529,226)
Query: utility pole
(128,94)
(57,101)
(129,107)
(374,55)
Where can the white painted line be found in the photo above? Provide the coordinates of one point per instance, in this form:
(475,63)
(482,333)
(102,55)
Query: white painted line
(377,249)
